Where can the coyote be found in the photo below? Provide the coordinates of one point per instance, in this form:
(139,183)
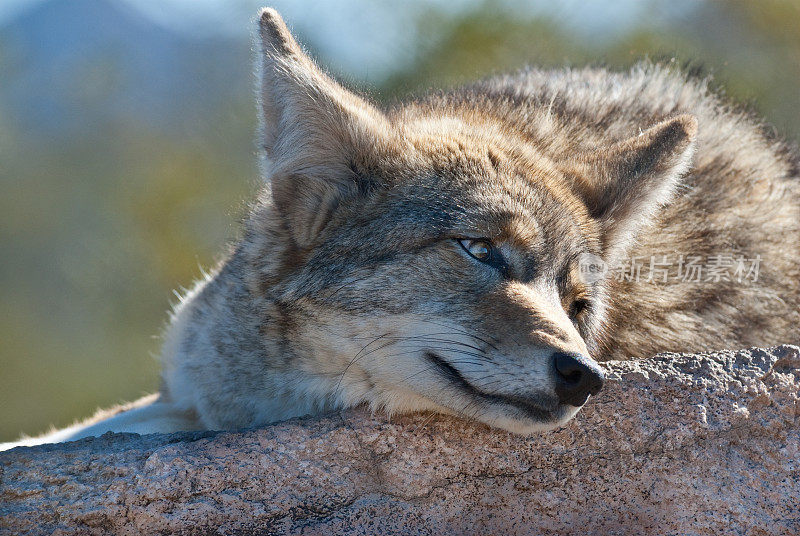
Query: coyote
(479,251)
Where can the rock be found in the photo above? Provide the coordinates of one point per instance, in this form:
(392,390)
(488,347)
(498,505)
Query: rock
(689,444)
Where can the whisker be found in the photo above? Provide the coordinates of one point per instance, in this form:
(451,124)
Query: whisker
(434,366)
(427,420)
(347,283)
(464,332)
(355,358)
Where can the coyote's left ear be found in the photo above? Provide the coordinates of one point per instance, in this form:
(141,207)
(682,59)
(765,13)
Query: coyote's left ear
(313,132)
(633,178)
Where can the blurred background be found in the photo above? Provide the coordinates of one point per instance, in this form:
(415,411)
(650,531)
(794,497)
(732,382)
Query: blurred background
(127,153)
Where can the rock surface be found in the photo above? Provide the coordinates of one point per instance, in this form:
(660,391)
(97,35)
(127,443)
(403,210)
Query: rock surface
(677,444)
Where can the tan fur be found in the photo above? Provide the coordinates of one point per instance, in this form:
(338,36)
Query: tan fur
(352,283)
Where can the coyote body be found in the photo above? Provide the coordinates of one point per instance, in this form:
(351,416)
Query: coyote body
(428,257)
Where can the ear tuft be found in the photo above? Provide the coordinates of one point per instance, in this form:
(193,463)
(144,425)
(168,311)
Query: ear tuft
(275,33)
(688,124)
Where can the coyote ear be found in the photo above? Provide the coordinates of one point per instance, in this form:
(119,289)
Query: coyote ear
(634,177)
(313,132)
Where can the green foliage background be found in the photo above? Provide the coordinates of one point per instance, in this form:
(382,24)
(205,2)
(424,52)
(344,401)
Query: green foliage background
(96,231)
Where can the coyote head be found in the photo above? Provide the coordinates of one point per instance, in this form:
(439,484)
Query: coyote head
(428,257)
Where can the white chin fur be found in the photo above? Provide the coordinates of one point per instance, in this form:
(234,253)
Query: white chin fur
(496,416)
(522,426)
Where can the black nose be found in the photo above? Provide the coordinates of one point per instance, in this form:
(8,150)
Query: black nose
(577,377)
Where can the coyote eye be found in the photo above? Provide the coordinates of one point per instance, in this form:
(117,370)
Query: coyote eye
(479,249)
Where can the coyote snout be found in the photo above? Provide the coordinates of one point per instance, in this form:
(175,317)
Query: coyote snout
(577,377)
(525,407)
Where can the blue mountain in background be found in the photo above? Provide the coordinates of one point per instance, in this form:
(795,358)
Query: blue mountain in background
(71,65)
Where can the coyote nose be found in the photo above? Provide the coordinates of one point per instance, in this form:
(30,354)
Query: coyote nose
(577,377)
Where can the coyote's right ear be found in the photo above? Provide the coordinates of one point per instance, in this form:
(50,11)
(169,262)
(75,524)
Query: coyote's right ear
(313,132)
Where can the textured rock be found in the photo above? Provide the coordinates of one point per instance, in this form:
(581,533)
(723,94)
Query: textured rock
(689,444)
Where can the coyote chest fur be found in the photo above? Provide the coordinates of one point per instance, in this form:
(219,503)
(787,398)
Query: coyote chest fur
(478,251)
